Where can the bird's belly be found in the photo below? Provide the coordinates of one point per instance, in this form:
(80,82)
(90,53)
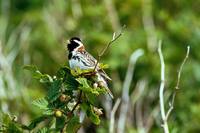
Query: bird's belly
(76,63)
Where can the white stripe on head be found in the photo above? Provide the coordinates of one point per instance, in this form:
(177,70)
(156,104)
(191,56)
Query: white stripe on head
(79,42)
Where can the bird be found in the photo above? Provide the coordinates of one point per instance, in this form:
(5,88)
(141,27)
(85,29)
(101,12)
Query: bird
(79,57)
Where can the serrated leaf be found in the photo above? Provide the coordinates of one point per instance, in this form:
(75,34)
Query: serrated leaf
(73,125)
(42,103)
(54,90)
(70,82)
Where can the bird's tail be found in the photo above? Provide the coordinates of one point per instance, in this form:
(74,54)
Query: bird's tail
(103,83)
(109,92)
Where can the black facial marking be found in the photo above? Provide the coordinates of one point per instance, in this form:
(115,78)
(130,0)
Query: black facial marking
(73,44)
(70,56)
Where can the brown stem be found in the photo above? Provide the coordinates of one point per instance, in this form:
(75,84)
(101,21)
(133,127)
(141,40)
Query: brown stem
(108,45)
(71,112)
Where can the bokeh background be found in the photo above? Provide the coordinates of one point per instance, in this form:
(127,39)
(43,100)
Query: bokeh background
(35,32)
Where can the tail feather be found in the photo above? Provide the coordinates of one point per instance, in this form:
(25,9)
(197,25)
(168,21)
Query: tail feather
(104,75)
(110,93)
(104,84)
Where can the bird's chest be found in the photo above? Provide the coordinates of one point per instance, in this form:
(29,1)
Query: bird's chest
(77,61)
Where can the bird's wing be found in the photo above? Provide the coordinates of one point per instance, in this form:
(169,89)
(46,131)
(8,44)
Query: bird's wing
(90,61)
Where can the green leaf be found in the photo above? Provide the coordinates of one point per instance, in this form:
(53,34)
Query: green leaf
(93,117)
(36,121)
(90,113)
(73,125)
(103,66)
(85,86)
(43,130)
(42,103)
(45,78)
(34,70)
(54,90)
(31,68)
(91,98)
(70,82)
(63,71)
(48,112)
(10,126)
(77,71)
(13,128)
(85,106)
(37,74)
(60,122)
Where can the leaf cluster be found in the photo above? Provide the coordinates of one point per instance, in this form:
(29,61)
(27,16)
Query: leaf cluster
(69,92)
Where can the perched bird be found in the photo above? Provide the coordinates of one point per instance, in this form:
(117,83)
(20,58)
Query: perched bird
(79,57)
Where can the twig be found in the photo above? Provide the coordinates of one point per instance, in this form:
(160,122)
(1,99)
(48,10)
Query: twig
(112,120)
(78,102)
(108,45)
(161,90)
(171,104)
(181,67)
(126,85)
(71,112)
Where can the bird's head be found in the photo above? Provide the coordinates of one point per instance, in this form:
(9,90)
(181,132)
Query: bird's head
(74,44)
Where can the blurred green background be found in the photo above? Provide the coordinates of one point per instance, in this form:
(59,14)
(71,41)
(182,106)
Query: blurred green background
(35,32)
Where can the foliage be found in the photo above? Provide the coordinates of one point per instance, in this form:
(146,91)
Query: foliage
(35,32)
(62,103)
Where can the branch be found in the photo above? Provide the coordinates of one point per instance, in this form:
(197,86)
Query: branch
(161,90)
(71,112)
(78,102)
(108,45)
(171,104)
(181,67)
(112,119)
(126,85)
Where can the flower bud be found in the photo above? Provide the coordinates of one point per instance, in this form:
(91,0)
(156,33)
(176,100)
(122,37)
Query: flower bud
(95,85)
(98,111)
(64,98)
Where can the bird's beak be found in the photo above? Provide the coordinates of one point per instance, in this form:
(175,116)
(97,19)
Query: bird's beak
(68,42)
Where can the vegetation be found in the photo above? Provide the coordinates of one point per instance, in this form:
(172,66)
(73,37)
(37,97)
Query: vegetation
(35,32)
